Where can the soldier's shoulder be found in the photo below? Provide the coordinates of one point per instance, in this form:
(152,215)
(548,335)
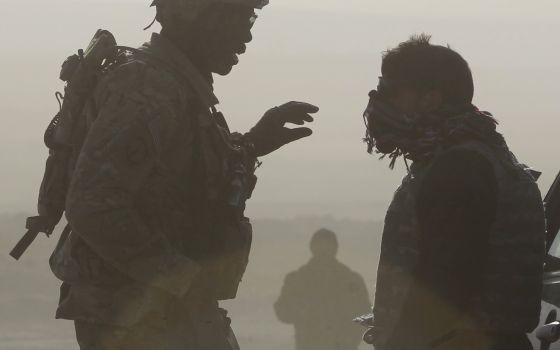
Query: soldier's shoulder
(135,92)
(139,77)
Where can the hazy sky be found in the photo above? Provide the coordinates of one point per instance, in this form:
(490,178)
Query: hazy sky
(323,51)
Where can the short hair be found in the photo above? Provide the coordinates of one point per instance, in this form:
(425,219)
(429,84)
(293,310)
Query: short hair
(418,64)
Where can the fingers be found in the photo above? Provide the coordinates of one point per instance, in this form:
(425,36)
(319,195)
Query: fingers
(303,107)
(294,112)
(291,135)
(298,119)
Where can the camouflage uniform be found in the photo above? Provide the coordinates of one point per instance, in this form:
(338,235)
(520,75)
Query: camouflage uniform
(158,232)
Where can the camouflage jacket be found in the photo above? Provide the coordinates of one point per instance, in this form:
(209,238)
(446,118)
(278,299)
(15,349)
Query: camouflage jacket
(146,204)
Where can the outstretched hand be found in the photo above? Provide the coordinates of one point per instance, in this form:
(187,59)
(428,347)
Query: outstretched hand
(271,132)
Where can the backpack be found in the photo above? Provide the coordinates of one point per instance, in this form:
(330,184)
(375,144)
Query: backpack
(67,131)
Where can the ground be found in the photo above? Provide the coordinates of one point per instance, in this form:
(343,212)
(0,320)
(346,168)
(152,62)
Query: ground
(29,291)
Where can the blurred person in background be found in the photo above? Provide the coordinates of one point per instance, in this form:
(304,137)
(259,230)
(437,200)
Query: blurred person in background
(322,297)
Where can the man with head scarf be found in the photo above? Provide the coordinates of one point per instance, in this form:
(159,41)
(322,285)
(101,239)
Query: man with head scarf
(463,246)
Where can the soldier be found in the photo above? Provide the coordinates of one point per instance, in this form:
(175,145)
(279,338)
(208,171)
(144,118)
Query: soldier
(321,298)
(463,246)
(156,202)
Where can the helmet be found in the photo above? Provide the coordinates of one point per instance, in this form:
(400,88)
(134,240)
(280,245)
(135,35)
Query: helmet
(189,9)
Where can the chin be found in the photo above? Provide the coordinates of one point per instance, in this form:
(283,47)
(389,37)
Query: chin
(223,70)
(224,64)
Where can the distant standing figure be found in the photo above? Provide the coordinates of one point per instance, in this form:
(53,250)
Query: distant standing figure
(321,299)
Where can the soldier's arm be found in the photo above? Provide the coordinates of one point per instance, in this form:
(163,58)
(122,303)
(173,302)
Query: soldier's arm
(121,151)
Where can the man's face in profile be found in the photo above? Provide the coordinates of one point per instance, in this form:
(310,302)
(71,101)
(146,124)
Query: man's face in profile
(386,113)
(393,110)
(226,29)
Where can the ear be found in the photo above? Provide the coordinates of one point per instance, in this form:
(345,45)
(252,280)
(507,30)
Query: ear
(431,101)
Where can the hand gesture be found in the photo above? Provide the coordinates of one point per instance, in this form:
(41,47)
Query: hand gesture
(271,132)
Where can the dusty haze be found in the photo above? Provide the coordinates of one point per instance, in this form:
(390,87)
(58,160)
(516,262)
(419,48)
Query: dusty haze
(323,51)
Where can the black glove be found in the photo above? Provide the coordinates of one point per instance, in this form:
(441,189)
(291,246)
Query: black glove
(270,133)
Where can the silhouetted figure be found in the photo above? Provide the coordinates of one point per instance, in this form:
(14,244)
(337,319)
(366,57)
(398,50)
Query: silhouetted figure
(321,299)
(155,184)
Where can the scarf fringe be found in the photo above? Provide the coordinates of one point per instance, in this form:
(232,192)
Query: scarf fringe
(474,124)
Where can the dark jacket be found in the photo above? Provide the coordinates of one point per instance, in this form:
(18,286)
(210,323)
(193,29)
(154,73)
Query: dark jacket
(462,251)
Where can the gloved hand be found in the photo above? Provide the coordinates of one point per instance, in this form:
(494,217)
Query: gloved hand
(270,133)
